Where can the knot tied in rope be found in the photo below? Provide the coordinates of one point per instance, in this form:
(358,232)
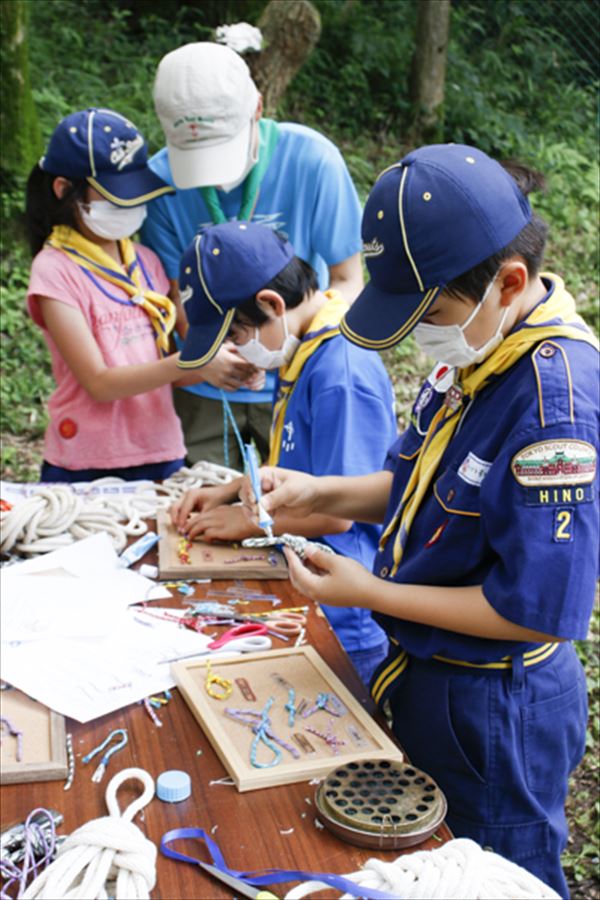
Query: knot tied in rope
(106,851)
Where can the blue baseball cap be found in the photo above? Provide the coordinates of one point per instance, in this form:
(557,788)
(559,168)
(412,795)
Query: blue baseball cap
(434,215)
(223,267)
(108,151)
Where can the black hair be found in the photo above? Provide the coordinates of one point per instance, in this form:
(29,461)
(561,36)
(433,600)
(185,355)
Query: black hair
(44,210)
(294,282)
(529,243)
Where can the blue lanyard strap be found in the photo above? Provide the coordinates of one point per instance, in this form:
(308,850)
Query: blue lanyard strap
(267,877)
(228,417)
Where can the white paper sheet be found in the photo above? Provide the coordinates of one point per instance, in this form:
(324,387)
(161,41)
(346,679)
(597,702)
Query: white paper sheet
(34,607)
(86,679)
(91,558)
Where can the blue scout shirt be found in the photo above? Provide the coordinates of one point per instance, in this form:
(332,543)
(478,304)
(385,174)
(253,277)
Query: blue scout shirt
(340,421)
(306,193)
(513,505)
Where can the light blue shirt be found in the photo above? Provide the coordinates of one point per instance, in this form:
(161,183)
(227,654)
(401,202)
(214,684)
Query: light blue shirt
(306,193)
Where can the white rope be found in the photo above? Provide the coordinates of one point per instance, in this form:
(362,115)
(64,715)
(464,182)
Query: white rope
(101,851)
(458,869)
(55,516)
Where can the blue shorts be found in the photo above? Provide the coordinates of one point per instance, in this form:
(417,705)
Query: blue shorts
(501,745)
(150,472)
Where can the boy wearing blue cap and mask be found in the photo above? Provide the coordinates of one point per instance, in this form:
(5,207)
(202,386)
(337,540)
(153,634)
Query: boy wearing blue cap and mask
(334,403)
(487,563)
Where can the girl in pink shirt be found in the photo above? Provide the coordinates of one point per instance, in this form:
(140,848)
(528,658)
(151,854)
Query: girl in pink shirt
(101,303)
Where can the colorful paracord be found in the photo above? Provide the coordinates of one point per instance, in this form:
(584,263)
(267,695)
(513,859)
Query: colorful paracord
(260,723)
(327,702)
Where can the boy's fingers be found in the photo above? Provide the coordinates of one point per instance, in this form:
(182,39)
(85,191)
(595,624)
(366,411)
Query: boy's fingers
(318,558)
(294,563)
(277,497)
(186,505)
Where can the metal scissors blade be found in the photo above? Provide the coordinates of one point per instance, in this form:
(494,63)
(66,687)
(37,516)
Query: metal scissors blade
(240,887)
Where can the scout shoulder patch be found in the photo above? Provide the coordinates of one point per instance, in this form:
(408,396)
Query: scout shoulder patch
(552,463)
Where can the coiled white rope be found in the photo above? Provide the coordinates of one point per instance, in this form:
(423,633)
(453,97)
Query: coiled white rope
(55,516)
(458,869)
(101,851)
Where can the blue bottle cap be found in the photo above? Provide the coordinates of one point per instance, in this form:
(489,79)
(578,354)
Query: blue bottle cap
(173,786)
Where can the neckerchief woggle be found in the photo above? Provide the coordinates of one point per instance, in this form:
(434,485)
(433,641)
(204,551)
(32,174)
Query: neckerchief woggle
(324,326)
(268,136)
(555,317)
(92,258)
(268,876)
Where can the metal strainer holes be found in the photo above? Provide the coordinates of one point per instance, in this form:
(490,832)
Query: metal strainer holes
(380,804)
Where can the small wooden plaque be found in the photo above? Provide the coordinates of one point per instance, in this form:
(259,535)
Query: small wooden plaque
(267,674)
(44,741)
(208,560)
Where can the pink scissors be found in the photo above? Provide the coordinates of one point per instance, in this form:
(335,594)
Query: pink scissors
(246,638)
(285,623)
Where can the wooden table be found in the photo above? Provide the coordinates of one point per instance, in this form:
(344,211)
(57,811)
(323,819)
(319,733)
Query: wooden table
(248,827)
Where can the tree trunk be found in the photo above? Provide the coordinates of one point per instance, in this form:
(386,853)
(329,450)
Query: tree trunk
(290,30)
(21,145)
(428,75)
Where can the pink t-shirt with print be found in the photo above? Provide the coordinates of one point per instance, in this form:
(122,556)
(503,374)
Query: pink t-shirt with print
(84,433)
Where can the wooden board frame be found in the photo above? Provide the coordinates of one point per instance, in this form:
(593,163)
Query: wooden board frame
(231,740)
(44,741)
(170,566)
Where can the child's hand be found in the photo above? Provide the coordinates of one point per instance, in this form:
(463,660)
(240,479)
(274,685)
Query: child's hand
(330,578)
(256,382)
(285,491)
(227,369)
(225,523)
(201,500)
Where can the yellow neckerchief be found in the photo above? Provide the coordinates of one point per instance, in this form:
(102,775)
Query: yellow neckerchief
(324,326)
(560,305)
(91,257)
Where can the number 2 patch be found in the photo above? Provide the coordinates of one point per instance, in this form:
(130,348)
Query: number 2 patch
(564,522)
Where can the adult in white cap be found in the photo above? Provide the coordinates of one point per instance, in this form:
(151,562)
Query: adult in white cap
(228,162)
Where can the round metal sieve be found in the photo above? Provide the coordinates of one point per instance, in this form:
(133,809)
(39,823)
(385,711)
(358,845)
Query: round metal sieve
(380,803)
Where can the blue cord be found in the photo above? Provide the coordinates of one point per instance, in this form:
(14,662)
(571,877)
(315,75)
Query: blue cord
(119,732)
(228,415)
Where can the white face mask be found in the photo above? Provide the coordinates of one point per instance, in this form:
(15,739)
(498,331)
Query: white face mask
(260,356)
(250,163)
(112,222)
(447,343)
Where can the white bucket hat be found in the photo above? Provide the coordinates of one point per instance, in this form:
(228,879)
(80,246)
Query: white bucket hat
(206,102)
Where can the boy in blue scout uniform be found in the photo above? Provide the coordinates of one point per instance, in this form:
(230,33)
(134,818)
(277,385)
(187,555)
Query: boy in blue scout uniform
(488,559)
(334,409)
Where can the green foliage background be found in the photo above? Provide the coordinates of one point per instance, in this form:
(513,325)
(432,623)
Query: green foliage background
(521,82)
(518,85)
